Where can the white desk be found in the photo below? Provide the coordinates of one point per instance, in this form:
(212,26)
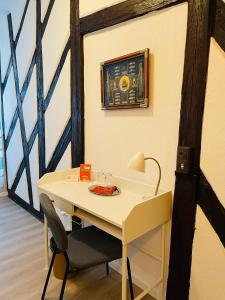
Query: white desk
(126,216)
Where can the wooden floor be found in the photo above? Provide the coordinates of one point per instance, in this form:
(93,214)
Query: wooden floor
(22,272)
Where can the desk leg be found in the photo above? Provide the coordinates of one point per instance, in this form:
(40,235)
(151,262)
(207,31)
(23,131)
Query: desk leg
(124,273)
(46,243)
(162,262)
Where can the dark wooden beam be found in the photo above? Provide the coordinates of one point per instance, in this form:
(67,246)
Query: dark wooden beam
(21,22)
(20,110)
(27,82)
(28,76)
(219,24)
(61,148)
(22,94)
(47,15)
(77,88)
(46,104)
(192,107)
(40,91)
(22,164)
(122,12)
(212,207)
(16,42)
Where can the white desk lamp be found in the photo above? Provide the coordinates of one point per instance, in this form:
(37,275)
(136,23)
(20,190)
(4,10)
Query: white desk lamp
(137,162)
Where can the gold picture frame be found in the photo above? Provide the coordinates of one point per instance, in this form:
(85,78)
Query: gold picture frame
(125,81)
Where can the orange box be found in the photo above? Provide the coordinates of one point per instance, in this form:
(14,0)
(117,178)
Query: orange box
(85,172)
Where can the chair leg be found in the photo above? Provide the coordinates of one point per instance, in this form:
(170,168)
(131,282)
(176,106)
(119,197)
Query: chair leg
(130,279)
(65,277)
(107,269)
(48,275)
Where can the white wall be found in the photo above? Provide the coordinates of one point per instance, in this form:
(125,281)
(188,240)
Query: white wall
(112,137)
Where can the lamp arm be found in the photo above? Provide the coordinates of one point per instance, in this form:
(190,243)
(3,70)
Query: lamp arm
(157,187)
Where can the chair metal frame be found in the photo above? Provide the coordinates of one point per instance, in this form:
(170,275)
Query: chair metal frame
(57,251)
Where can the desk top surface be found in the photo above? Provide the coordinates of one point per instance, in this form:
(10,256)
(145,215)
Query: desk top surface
(113,209)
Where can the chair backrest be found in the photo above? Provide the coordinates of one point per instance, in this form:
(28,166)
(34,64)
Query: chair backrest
(54,223)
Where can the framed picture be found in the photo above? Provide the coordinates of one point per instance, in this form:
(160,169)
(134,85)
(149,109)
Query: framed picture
(125,81)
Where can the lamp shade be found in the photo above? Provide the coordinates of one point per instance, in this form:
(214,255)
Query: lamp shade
(137,162)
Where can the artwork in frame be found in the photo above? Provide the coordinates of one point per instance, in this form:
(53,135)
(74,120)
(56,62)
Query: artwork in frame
(125,81)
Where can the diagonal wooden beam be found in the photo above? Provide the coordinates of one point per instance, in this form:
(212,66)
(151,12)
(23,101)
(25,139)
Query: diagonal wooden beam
(47,15)
(16,42)
(46,104)
(22,164)
(23,94)
(57,155)
(40,91)
(77,86)
(45,22)
(60,148)
(212,207)
(21,23)
(28,76)
(219,24)
(20,110)
(122,12)
(57,74)
(191,116)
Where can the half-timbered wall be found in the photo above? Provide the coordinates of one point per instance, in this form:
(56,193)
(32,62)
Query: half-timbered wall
(108,135)
(36,94)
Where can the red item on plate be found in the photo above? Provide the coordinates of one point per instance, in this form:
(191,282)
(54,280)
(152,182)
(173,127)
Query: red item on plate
(104,190)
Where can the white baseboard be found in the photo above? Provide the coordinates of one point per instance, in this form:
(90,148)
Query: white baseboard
(115,265)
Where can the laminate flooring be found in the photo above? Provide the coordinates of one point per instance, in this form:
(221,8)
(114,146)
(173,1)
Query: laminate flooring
(22,272)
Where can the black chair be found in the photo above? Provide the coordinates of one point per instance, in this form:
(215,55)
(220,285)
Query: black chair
(83,248)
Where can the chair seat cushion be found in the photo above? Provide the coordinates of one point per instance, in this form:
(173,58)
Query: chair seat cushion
(91,246)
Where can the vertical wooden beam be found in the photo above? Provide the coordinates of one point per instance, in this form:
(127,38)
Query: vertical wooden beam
(77,90)
(192,107)
(20,110)
(40,91)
